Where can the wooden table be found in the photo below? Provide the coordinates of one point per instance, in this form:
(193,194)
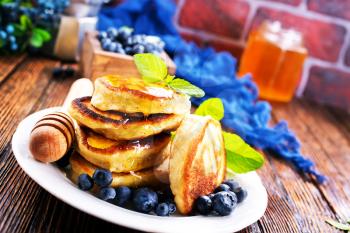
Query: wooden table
(295,205)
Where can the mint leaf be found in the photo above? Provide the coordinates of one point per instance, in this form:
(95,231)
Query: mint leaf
(211,107)
(241,157)
(25,22)
(36,40)
(338,225)
(151,67)
(45,35)
(185,87)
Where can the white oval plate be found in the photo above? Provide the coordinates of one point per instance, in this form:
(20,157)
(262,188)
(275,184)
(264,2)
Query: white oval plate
(55,182)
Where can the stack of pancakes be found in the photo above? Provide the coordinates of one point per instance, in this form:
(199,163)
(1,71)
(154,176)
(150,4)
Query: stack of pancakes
(124,128)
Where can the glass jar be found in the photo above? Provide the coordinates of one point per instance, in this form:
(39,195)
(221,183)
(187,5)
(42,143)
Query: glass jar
(275,58)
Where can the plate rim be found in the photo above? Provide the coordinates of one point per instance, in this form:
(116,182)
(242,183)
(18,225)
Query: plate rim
(87,196)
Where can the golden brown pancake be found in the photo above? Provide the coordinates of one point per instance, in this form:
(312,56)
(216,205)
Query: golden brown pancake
(121,126)
(131,95)
(120,156)
(198,161)
(144,177)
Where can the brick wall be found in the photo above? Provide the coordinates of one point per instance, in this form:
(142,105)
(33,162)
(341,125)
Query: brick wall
(325,24)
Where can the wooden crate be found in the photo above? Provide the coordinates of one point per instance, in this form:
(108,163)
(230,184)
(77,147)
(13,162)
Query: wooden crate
(95,62)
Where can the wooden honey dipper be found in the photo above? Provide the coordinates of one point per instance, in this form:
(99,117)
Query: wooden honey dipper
(53,135)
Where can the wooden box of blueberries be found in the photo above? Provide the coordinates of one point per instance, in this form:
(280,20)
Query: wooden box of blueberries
(103,56)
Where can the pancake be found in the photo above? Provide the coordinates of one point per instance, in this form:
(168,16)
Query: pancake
(132,95)
(131,179)
(198,161)
(121,126)
(120,156)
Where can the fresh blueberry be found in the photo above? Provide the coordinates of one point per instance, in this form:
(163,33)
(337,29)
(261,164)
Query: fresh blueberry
(222,187)
(120,50)
(211,196)
(102,177)
(13,46)
(3,35)
(145,200)
(105,43)
(10,29)
(57,72)
(162,209)
(124,33)
(129,42)
(165,195)
(102,35)
(224,202)
(240,193)
(12,39)
(111,47)
(112,33)
(138,48)
(204,205)
(232,184)
(69,71)
(149,48)
(122,196)
(172,208)
(128,50)
(107,194)
(85,182)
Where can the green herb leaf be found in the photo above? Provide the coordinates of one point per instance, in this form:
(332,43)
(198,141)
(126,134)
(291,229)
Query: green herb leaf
(241,157)
(36,40)
(25,22)
(152,68)
(185,87)
(338,225)
(212,107)
(45,35)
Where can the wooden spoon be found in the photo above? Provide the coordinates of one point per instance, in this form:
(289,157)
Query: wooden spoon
(53,135)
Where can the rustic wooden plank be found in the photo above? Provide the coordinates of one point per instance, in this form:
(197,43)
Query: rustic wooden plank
(317,132)
(8,64)
(18,96)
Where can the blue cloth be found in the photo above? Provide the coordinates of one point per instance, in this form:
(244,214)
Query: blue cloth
(215,73)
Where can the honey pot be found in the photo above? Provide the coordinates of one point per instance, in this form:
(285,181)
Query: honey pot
(275,57)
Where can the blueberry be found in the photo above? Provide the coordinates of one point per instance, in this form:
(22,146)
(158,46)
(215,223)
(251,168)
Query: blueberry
(222,187)
(240,193)
(57,71)
(111,47)
(145,200)
(120,50)
(107,194)
(102,35)
(122,196)
(13,46)
(211,196)
(69,71)
(85,182)
(172,208)
(102,177)
(10,29)
(12,39)
(138,49)
(3,35)
(232,184)
(162,209)
(105,43)
(128,50)
(224,202)
(203,205)
(124,33)
(112,33)
(129,42)
(149,48)
(165,195)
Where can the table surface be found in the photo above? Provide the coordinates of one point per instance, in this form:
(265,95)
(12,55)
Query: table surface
(295,204)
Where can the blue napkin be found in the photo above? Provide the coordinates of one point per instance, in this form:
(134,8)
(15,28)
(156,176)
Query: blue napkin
(215,73)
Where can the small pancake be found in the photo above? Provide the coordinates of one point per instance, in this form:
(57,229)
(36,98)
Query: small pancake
(132,179)
(121,126)
(120,156)
(197,160)
(131,95)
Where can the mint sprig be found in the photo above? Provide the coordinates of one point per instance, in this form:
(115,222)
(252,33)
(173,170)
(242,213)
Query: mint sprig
(211,107)
(241,157)
(153,70)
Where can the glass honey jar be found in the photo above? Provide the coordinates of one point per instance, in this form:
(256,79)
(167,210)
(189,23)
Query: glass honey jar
(275,57)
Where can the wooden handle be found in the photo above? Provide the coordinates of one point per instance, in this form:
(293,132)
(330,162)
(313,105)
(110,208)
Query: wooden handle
(53,135)
(81,87)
